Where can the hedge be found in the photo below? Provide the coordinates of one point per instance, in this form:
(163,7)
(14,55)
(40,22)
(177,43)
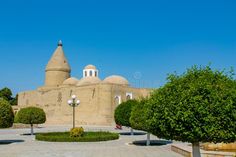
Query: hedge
(87,137)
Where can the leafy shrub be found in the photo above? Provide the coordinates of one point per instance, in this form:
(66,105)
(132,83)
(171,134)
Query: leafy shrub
(76,132)
(123,111)
(138,117)
(16,119)
(31,115)
(87,137)
(6,114)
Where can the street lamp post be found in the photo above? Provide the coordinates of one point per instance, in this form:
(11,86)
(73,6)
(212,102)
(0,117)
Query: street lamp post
(73,103)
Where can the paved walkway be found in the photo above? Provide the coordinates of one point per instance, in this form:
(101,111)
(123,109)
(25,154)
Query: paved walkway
(118,148)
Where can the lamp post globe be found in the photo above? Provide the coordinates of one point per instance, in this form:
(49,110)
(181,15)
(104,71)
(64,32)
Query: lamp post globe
(73,96)
(78,102)
(69,102)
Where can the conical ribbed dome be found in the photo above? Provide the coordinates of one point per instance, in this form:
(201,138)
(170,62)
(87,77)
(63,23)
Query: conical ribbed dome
(58,61)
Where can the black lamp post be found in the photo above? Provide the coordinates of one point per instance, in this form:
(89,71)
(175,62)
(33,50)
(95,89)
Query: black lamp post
(73,103)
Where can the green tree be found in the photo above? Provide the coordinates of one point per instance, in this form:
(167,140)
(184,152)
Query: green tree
(197,106)
(6,114)
(138,117)
(14,100)
(123,112)
(31,115)
(6,94)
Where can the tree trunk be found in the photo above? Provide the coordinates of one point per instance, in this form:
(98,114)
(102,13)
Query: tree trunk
(32,129)
(148,139)
(196,149)
(132,131)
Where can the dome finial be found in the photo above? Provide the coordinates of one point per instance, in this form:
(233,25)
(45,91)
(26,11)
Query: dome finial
(59,43)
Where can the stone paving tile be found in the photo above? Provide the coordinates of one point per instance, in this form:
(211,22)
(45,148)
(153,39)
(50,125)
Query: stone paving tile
(118,148)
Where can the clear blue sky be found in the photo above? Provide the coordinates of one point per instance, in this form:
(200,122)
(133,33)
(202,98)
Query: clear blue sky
(125,37)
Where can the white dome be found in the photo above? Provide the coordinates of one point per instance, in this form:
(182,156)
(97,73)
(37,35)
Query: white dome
(88,80)
(90,66)
(71,81)
(115,79)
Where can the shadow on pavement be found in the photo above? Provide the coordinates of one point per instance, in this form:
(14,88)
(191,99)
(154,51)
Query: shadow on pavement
(27,134)
(3,142)
(152,142)
(135,133)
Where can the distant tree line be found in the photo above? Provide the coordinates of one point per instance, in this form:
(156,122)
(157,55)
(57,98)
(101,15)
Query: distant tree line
(6,94)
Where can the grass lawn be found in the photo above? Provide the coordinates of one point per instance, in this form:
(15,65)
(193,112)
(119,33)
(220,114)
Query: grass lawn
(87,137)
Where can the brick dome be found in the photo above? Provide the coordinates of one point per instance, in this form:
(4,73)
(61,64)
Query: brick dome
(115,79)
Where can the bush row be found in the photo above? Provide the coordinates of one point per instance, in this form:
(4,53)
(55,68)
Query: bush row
(87,137)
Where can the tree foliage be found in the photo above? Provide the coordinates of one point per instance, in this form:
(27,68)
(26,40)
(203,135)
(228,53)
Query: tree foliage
(6,94)
(123,112)
(6,114)
(31,115)
(14,100)
(138,117)
(197,106)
